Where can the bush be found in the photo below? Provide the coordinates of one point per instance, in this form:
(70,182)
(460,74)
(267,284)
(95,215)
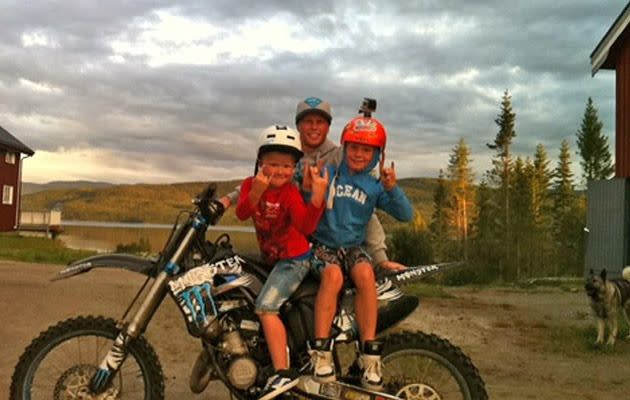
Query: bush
(38,249)
(464,275)
(410,246)
(142,246)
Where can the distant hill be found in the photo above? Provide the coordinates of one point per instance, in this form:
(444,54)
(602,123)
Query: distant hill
(28,188)
(161,203)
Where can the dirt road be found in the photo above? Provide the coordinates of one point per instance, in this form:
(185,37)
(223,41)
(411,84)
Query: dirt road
(520,340)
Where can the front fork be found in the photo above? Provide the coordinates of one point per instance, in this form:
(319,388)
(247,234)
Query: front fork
(119,350)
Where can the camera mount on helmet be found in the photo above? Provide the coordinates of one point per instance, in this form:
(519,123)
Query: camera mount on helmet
(368,106)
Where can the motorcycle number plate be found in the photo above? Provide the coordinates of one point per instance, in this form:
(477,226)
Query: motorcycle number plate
(331,390)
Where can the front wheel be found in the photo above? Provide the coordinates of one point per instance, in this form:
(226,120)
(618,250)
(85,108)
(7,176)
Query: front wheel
(418,366)
(61,361)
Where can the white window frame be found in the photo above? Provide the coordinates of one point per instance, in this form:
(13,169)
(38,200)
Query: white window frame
(7,194)
(9,157)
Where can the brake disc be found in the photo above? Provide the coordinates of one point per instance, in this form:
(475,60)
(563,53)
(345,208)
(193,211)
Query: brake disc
(74,384)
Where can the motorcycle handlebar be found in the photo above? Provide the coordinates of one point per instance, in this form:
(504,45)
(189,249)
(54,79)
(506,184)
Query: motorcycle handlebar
(206,194)
(210,208)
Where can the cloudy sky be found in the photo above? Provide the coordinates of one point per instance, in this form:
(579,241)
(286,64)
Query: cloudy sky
(173,91)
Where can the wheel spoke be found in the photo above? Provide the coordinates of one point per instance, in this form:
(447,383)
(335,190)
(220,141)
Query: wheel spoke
(425,367)
(60,363)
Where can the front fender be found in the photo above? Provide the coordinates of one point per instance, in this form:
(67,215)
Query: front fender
(125,261)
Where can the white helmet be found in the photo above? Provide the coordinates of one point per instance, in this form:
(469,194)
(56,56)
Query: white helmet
(279,138)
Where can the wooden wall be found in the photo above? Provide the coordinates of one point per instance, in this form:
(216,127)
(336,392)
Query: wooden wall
(9,175)
(622,120)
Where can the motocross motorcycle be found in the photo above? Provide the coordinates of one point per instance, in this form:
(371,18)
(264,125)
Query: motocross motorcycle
(94,357)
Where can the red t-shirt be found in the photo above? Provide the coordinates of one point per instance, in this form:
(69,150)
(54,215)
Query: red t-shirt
(281,219)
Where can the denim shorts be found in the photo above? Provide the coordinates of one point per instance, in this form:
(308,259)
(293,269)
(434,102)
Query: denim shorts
(284,279)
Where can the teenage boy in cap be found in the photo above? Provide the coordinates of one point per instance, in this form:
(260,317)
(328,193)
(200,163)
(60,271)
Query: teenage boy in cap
(313,118)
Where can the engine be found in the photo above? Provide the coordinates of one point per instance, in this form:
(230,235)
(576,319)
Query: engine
(236,335)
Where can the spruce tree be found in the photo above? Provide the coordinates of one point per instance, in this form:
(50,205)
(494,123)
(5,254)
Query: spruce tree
(461,179)
(439,221)
(500,174)
(540,184)
(522,216)
(541,212)
(568,217)
(596,160)
(486,238)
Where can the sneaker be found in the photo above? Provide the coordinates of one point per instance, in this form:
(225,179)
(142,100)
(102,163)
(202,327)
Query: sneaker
(371,366)
(322,361)
(278,383)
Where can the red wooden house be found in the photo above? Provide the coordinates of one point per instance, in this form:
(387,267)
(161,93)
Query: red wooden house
(608,200)
(11,150)
(613,53)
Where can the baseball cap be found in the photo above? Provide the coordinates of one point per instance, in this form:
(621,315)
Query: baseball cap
(315,105)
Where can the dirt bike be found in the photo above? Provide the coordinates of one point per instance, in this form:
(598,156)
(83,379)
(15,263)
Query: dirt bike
(94,357)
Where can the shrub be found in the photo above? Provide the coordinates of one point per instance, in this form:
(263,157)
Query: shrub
(410,246)
(142,246)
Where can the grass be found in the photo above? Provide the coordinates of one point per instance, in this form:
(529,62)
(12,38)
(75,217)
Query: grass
(567,284)
(427,290)
(38,250)
(577,341)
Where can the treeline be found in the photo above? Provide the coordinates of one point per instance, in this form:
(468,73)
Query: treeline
(525,219)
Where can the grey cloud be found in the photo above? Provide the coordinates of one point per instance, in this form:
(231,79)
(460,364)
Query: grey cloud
(151,111)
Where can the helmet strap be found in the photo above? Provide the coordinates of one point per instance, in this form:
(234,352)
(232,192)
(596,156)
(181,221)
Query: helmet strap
(331,191)
(257,163)
(381,162)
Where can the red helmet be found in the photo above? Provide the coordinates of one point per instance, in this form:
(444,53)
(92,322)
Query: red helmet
(365,130)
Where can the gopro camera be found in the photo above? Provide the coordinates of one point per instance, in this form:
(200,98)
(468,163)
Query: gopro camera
(368,106)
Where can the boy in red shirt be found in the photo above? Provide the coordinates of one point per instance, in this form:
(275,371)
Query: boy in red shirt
(282,223)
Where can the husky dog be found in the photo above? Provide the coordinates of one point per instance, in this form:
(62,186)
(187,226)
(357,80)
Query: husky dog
(609,297)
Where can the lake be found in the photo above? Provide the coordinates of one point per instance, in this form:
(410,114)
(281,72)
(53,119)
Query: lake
(104,237)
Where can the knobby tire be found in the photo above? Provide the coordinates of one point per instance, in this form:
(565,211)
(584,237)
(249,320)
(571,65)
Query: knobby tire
(99,328)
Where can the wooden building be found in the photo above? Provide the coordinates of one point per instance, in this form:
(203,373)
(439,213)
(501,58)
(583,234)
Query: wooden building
(613,52)
(11,150)
(608,210)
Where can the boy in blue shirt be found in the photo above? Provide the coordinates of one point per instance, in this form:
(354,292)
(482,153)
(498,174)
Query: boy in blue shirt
(353,195)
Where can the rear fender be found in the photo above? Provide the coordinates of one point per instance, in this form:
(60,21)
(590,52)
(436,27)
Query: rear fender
(395,311)
(129,262)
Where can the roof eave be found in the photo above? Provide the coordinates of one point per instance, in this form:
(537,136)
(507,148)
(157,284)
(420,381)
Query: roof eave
(599,56)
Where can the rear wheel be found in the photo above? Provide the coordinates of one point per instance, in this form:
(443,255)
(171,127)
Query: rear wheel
(418,366)
(61,361)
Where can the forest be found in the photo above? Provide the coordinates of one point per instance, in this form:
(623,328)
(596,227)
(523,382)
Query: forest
(520,219)
(523,218)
